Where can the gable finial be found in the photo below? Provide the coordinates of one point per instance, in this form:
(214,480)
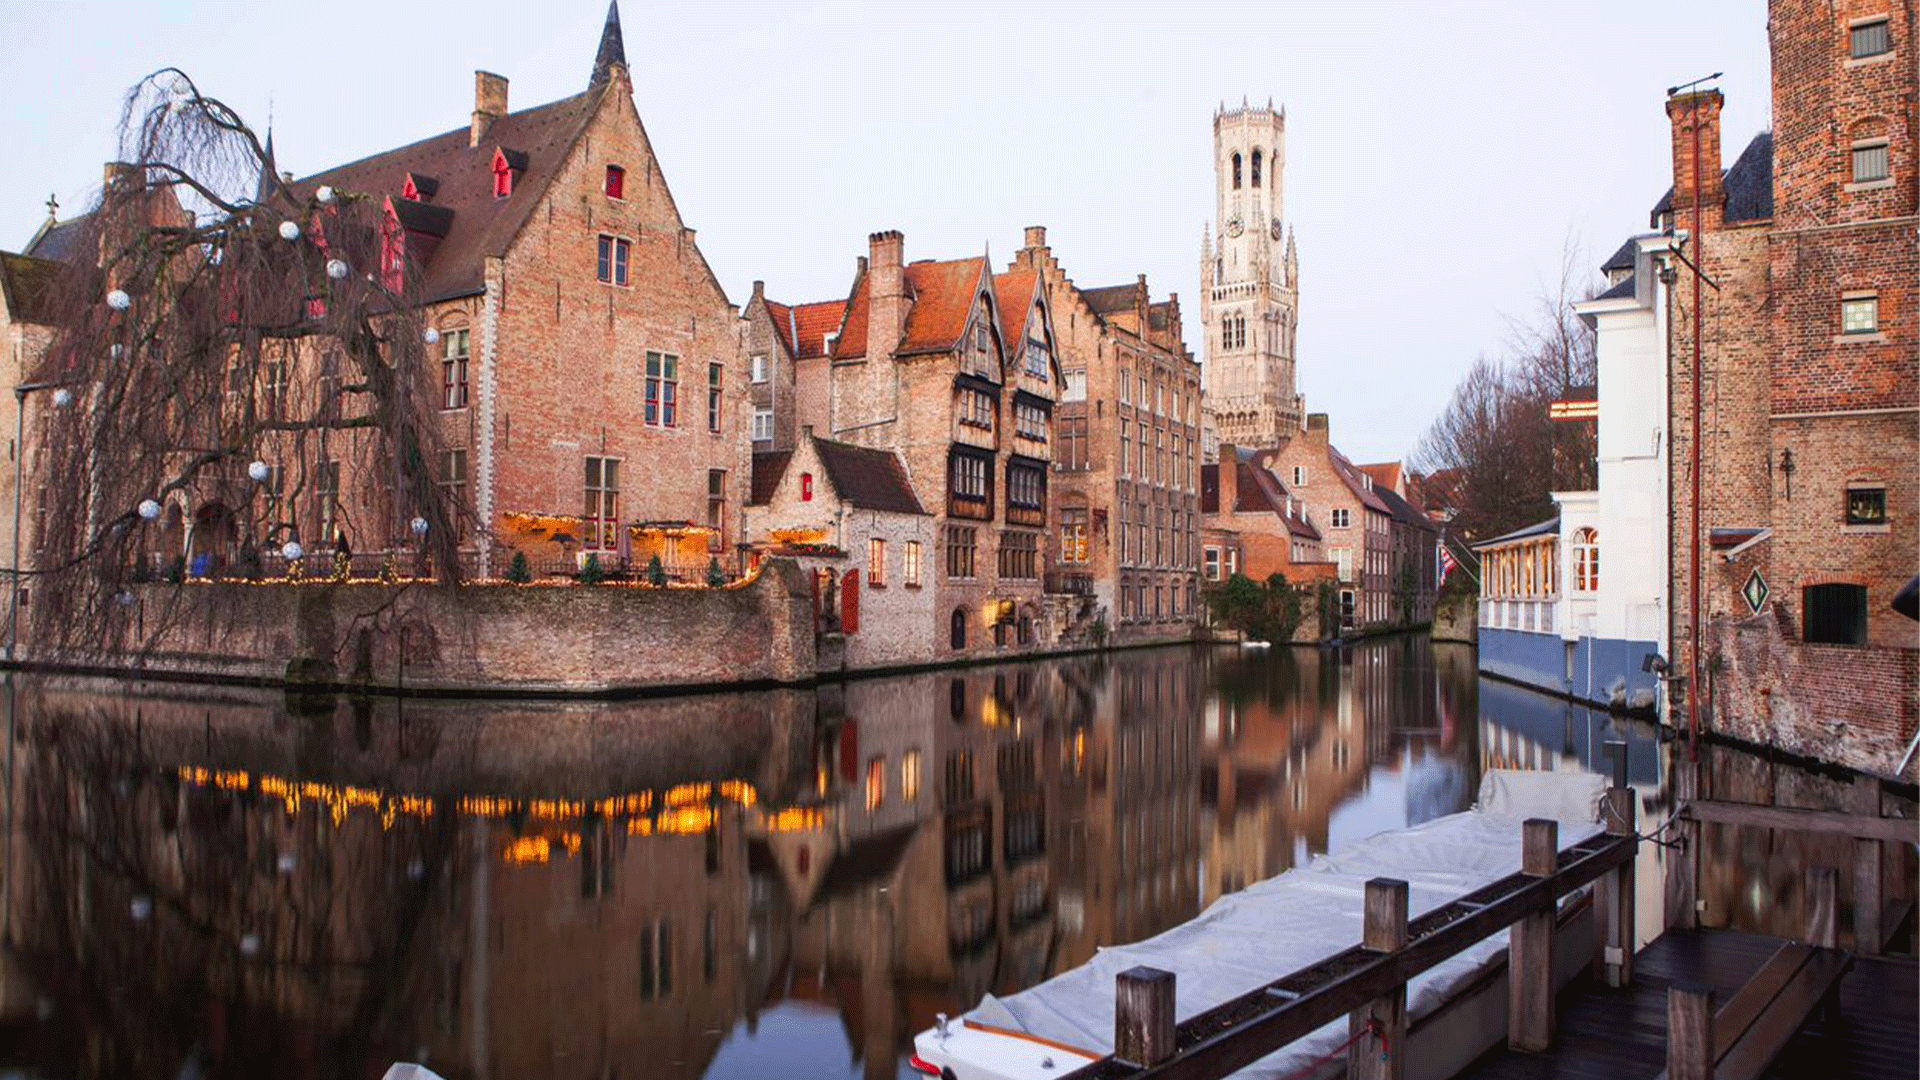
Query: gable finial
(53,206)
(613,48)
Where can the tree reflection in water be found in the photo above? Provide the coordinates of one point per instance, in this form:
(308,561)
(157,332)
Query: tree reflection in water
(229,882)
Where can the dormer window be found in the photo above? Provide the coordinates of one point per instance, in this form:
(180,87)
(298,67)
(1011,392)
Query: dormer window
(507,164)
(418,188)
(616,182)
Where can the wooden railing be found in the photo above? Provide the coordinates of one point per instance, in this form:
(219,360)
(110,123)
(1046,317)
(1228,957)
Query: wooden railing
(1368,982)
(1875,916)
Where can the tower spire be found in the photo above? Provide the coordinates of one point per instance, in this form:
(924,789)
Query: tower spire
(613,48)
(269,170)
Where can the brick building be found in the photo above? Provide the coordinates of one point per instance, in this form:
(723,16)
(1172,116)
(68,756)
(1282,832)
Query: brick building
(1355,524)
(953,367)
(786,348)
(1254,526)
(1413,552)
(1808,392)
(586,359)
(1126,466)
(849,515)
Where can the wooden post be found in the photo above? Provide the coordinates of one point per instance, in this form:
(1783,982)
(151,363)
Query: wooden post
(1613,894)
(1683,859)
(1530,946)
(1869,898)
(1380,1026)
(1689,1032)
(1823,901)
(1143,1016)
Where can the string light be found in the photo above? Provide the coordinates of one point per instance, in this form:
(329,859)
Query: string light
(431,337)
(336,269)
(419,526)
(293,550)
(149,509)
(324,193)
(63,397)
(118,300)
(289,230)
(259,472)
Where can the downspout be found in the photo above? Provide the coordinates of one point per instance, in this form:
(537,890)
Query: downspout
(1693,453)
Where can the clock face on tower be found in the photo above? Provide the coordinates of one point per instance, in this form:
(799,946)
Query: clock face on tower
(1234,226)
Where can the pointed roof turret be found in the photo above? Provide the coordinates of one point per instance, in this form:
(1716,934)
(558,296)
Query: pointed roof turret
(269,172)
(613,48)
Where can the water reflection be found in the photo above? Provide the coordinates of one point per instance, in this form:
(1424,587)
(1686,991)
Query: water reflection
(228,882)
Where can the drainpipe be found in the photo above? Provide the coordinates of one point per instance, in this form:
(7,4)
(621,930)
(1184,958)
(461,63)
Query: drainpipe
(1693,454)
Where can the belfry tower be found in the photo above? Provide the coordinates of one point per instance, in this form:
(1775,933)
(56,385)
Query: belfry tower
(1249,283)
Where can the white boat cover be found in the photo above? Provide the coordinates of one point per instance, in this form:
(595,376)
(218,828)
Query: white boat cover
(1249,938)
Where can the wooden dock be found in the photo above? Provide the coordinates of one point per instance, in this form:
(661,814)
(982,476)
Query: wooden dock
(1621,1034)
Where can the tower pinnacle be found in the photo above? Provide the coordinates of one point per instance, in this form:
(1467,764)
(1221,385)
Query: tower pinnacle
(613,48)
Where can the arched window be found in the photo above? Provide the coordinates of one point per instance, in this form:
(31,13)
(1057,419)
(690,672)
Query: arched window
(1236,172)
(1256,167)
(1586,561)
(957,632)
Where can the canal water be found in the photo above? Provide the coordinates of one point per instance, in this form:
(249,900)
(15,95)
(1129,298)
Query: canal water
(215,882)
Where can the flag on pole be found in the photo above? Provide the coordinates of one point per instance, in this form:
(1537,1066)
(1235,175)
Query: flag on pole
(1446,563)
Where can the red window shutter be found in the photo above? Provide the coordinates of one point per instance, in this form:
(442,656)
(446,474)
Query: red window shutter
(806,487)
(850,750)
(616,182)
(850,603)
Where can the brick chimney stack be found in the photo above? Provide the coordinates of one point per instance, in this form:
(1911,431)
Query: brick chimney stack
(886,292)
(489,104)
(1229,478)
(1036,236)
(1699,109)
(1319,432)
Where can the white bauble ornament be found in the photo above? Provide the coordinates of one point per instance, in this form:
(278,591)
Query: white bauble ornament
(419,526)
(141,908)
(117,351)
(431,337)
(249,944)
(336,269)
(324,194)
(63,397)
(293,550)
(149,509)
(259,472)
(289,230)
(118,300)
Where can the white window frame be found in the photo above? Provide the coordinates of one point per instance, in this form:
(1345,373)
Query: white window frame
(763,425)
(759,368)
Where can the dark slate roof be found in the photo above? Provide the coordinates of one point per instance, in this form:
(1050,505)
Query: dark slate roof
(1541,528)
(1403,510)
(1256,490)
(768,467)
(28,285)
(476,224)
(867,478)
(423,217)
(613,47)
(1621,291)
(1622,259)
(1111,298)
(1749,184)
(60,241)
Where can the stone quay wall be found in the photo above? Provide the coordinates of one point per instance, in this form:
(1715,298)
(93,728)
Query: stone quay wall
(496,638)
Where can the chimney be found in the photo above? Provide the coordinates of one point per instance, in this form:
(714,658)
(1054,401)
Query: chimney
(886,293)
(1698,114)
(121,176)
(489,103)
(1317,429)
(1229,478)
(1036,236)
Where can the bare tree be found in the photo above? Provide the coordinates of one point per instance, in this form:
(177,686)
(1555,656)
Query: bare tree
(1495,443)
(244,360)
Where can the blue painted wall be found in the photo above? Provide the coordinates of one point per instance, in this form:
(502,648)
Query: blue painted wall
(1598,663)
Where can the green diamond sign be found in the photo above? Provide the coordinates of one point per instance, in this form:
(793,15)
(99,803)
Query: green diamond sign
(1756,591)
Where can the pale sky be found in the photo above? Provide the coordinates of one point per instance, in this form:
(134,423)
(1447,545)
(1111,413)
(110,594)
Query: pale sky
(1438,155)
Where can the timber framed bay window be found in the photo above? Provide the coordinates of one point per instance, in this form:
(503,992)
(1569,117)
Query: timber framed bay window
(663,390)
(1029,421)
(975,408)
(962,544)
(615,253)
(453,368)
(600,519)
(1019,555)
(969,484)
(1026,493)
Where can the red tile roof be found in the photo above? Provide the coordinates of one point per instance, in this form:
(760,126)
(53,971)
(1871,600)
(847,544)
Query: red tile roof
(804,328)
(476,224)
(1013,292)
(940,298)
(1386,474)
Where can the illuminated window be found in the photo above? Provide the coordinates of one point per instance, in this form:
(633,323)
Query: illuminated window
(601,517)
(910,569)
(910,775)
(877,563)
(1073,536)
(876,782)
(1586,561)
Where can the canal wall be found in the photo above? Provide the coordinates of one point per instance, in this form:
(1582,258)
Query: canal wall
(497,638)
(1456,617)
(1851,705)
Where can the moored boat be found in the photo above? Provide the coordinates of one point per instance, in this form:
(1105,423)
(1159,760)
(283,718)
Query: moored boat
(1248,939)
